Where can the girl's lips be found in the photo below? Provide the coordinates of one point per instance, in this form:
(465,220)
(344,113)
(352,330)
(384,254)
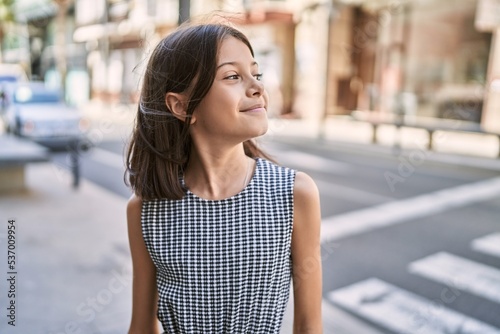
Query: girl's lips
(254,109)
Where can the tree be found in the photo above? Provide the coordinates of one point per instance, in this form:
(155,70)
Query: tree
(6,16)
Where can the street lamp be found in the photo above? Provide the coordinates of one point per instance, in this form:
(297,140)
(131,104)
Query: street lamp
(184,11)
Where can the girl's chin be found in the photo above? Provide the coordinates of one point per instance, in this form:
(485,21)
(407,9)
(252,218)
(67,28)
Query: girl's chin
(262,130)
(256,132)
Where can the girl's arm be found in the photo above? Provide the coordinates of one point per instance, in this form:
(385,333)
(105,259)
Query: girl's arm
(144,292)
(306,257)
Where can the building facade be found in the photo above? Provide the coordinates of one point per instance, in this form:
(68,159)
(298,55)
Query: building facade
(421,59)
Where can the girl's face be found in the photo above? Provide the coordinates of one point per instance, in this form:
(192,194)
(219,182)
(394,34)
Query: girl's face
(234,110)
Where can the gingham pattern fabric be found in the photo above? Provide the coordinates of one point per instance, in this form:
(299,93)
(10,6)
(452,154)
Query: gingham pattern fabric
(224,266)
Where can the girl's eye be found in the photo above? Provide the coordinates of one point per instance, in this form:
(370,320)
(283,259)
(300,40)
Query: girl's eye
(232,77)
(258,76)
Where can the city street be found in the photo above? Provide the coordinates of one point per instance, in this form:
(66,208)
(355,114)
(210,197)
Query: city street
(410,241)
(392,107)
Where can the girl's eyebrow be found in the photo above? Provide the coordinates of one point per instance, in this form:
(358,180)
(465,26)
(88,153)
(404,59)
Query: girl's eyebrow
(233,63)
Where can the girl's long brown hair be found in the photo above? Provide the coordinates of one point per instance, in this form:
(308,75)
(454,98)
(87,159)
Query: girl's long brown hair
(160,145)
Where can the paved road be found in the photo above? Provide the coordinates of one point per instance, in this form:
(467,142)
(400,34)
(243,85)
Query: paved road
(410,244)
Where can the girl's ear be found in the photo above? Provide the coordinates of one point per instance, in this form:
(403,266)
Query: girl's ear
(177,104)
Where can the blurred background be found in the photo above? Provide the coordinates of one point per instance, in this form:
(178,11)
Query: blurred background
(392,106)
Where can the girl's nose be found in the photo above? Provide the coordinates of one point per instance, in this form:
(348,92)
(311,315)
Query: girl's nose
(256,88)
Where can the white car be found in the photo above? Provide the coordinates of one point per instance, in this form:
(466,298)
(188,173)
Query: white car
(36,112)
(12,73)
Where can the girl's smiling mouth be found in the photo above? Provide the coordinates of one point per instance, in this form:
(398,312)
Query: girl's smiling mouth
(255,108)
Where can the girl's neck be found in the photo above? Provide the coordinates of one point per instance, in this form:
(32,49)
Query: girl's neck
(218,174)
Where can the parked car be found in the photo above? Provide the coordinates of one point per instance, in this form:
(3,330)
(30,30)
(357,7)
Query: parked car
(12,73)
(36,112)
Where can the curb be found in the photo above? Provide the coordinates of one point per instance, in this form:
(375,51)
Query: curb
(451,159)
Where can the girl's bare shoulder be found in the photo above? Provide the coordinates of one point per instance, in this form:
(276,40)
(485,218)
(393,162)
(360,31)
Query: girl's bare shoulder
(305,189)
(134,206)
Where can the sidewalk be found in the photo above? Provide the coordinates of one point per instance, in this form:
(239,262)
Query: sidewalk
(72,257)
(342,129)
(73,260)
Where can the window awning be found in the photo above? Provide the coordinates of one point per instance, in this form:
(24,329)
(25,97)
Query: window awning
(31,10)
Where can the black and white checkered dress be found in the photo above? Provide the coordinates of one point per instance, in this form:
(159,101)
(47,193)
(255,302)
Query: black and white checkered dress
(224,266)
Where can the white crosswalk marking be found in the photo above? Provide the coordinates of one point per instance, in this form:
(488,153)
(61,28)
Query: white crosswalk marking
(350,194)
(308,161)
(489,244)
(460,273)
(404,312)
(401,211)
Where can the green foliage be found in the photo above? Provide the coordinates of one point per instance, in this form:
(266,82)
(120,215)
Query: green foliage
(6,10)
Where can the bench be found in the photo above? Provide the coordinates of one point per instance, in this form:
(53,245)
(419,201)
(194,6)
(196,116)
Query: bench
(430,126)
(15,153)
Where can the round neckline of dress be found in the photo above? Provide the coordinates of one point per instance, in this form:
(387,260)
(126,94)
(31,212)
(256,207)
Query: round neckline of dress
(244,190)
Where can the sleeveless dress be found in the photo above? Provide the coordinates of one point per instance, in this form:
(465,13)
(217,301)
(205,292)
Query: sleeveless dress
(224,266)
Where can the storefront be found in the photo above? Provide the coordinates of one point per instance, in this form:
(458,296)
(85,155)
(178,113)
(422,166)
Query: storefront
(422,59)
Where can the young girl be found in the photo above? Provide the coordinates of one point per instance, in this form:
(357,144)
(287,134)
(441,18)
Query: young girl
(216,230)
